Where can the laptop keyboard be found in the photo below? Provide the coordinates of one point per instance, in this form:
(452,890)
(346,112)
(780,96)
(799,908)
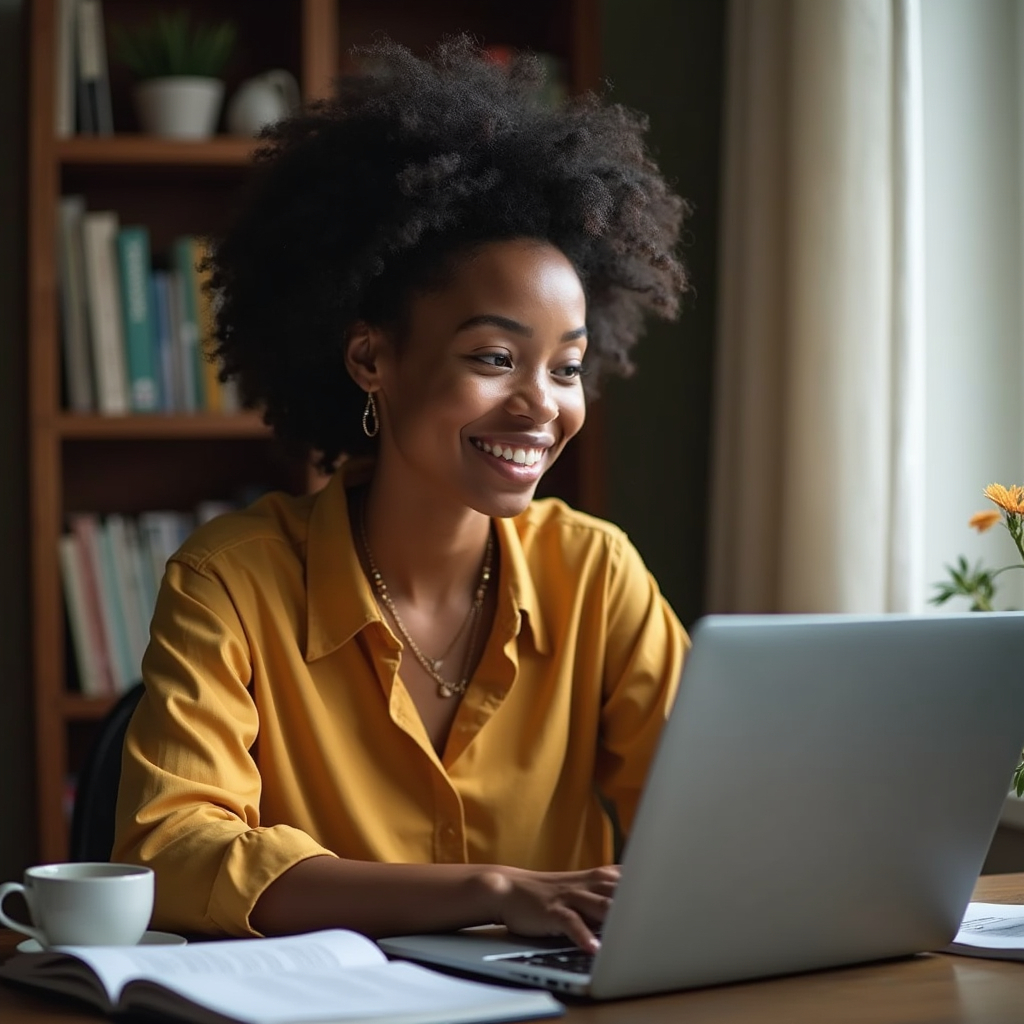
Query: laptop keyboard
(576,960)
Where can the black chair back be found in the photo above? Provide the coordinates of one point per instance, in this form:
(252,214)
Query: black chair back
(92,818)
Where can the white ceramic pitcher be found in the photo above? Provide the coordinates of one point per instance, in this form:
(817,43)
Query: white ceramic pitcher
(262,100)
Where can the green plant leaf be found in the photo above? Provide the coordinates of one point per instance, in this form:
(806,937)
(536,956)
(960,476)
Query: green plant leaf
(170,45)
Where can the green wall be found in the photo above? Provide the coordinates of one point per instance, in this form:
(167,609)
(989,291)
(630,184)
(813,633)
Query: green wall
(666,58)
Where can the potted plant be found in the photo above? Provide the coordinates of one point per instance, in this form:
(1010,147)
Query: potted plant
(178,66)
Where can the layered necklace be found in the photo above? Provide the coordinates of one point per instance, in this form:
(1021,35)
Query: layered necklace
(433,666)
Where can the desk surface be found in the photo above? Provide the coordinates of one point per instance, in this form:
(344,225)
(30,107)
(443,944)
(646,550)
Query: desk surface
(930,987)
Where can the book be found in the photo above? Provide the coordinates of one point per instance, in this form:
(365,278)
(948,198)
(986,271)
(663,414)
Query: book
(99,234)
(171,399)
(137,316)
(221,396)
(994,930)
(83,534)
(95,116)
(93,679)
(161,534)
(65,69)
(183,293)
(95,550)
(74,306)
(333,975)
(131,596)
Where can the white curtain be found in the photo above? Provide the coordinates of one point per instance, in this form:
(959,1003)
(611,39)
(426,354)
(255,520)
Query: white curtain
(818,469)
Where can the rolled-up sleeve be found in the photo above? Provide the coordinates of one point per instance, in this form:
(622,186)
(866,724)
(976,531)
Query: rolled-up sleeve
(644,653)
(189,800)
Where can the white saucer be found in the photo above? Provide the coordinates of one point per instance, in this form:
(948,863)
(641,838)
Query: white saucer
(149,939)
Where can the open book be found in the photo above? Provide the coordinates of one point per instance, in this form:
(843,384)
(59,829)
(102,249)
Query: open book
(994,930)
(331,975)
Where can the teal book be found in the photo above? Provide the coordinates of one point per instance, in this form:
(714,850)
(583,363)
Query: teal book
(137,316)
(191,361)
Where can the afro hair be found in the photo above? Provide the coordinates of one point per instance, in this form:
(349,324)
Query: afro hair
(359,201)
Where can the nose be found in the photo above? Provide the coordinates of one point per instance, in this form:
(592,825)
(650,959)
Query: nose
(533,398)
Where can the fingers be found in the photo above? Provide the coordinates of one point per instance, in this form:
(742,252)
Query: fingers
(574,928)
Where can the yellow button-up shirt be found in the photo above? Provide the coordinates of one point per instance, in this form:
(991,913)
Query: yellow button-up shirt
(275,726)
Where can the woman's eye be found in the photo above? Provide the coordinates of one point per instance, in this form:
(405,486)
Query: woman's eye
(570,372)
(501,359)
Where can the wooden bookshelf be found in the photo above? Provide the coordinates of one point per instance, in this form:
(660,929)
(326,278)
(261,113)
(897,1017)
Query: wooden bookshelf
(132,463)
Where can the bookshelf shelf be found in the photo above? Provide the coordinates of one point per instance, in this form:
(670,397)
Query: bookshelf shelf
(158,425)
(126,466)
(74,707)
(146,151)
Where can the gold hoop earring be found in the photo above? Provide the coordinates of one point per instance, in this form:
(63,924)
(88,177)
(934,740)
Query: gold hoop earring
(370,413)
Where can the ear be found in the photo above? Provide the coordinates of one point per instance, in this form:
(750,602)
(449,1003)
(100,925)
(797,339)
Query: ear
(366,348)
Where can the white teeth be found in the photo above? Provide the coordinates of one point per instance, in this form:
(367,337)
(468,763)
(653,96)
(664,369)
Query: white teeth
(520,456)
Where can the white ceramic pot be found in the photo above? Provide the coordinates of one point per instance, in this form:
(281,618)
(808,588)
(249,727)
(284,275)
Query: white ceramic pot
(179,107)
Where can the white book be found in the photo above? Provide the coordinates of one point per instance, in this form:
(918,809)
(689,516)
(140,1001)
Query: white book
(162,533)
(74,306)
(328,976)
(144,573)
(99,239)
(92,679)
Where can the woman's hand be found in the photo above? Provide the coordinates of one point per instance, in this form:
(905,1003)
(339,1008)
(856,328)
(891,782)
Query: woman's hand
(554,902)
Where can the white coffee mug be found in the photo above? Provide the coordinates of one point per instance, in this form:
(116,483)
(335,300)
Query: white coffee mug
(89,904)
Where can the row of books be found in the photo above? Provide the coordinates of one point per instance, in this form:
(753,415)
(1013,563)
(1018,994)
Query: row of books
(135,336)
(111,568)
(82,87)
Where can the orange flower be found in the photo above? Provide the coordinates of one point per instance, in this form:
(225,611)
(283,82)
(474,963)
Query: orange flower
(982,521)
(1009,499)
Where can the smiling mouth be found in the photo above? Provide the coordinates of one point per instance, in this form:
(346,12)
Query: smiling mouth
(520,456)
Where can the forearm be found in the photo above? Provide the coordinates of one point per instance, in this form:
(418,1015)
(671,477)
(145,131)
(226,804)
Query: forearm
(379,899)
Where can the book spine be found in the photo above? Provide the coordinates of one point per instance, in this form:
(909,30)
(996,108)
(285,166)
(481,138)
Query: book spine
(95,112)
(85,530)
(99,232)
(129,596)
(164,332)
(91,678)
(188,324)
(114,610)
(138,319)
(64,87)
(143,568)
(78,372)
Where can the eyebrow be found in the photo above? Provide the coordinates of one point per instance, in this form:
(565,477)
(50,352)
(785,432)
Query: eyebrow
(512,326)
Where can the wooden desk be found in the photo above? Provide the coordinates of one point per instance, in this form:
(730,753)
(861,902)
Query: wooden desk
(930,988)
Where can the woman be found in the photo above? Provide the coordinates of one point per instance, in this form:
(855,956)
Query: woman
(413,700)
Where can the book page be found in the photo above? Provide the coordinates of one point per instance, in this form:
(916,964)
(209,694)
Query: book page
(399,993)
(317,952)
(992,927)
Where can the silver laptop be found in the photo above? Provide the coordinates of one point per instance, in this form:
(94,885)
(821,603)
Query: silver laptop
(824,793)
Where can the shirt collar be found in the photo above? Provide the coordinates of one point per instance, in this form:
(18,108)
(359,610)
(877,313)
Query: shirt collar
(339,601)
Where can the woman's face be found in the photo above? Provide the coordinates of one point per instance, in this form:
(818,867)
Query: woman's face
(484,391)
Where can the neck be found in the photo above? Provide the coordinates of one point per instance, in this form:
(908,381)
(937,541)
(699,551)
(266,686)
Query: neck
(428,553)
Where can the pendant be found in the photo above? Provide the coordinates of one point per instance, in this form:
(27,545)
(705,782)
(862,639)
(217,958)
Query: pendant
(436,663)
(445,690)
